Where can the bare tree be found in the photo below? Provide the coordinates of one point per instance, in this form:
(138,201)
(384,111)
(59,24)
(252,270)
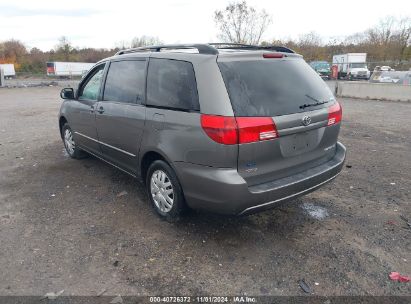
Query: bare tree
(390,37)
(64,49)
(240,23)
(309,39)
(145,41)
(403,35)
(310,44)
(355,39)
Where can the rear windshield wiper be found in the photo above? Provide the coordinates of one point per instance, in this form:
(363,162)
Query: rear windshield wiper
(317,102)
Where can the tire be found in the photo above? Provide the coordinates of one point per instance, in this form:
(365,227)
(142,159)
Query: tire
(159,181)
(71,148)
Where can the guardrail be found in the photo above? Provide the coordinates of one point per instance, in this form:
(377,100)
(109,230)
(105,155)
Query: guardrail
(379,91)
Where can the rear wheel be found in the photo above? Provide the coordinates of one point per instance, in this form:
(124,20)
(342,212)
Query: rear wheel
(164,191)
(72,149)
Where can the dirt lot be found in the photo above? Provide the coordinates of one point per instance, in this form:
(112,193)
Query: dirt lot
(63,225)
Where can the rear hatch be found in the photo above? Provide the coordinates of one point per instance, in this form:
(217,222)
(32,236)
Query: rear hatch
(50,68)
(291,108)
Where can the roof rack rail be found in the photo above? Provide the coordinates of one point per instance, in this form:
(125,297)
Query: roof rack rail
(240,46)
(202,48)
(206,48)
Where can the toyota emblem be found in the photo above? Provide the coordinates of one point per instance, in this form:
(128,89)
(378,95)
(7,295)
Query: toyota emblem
(306,120)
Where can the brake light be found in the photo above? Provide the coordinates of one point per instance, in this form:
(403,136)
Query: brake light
(273,55)
(221,129)
(238,130)
(334,114)
(252,129)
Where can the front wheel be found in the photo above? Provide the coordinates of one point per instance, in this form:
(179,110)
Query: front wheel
(164,191)
(72,149)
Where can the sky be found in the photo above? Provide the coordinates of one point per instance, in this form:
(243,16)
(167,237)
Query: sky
(106,24)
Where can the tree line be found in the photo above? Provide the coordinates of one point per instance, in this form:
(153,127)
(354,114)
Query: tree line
(386,43)
(34,60)
(389,41)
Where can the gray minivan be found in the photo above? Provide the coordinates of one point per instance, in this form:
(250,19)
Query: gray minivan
(228,128)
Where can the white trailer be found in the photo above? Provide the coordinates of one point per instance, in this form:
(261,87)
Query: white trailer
(68,69)
(8,70)
(352,65)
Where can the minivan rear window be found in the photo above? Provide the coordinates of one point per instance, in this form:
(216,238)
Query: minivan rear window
(273,87)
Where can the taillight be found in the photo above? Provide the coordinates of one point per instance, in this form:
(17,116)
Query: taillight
(334,114)
(238,130)
(221,129)
(251,129)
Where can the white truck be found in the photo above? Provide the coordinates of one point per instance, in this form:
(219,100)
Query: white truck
(8,69)
(352,66)
(68,69)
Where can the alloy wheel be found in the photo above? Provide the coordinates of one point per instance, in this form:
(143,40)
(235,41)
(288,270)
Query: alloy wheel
(162,191)
(69,141)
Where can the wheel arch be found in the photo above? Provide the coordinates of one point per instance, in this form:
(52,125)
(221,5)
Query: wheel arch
(62,121)
(149,157)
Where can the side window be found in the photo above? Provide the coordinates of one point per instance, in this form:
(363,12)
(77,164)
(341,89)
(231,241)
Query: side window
(126,81)
(172,84)
(91,87)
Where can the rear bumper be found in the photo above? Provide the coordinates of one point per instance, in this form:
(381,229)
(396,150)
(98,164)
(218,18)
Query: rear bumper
(359,76)
(324,74)
(225,191)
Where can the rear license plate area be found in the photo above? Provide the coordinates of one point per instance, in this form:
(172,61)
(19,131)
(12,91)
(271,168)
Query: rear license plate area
(295,144)
(300,141)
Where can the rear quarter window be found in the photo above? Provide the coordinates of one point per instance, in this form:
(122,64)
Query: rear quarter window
(273,87)
(171,84)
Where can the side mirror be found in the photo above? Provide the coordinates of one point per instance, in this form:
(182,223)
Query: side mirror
(67,93)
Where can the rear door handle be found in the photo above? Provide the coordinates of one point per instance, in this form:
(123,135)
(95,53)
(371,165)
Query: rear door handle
(100,110)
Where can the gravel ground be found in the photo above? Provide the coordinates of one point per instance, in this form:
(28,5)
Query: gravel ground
(24,82)
(64,226)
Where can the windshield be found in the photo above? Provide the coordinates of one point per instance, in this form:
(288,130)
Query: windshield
(273,87)
(358,65)
(323,66)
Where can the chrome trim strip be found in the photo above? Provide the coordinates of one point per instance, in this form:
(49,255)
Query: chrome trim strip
(290,196)
(106,161)
(110,146)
